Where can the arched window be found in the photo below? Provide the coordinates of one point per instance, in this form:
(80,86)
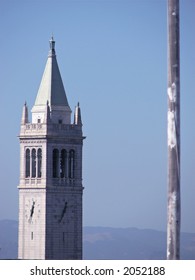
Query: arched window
(71,163)
(27,169)
(63,164)
(39,166)
(55,163)
(33,163)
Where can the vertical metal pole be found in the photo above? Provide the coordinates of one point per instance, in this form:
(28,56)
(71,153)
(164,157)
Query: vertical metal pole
(173,223)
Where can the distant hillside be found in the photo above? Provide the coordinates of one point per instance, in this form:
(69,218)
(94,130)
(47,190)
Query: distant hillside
(120,243)
(132,243)
(108,243)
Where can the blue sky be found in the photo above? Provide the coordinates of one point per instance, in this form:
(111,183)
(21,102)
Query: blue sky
(113,60)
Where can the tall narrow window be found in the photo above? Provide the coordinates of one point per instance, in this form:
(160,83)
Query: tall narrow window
(27,171)
(63,163)
(39,166)
(33,163)
(55,163)
(71,163)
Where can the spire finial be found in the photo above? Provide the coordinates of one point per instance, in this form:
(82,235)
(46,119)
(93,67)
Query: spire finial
(77,115)
(25,114)
(52,46)
(47,113)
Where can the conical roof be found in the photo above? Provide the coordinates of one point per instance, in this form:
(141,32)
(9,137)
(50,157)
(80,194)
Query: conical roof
(51,89)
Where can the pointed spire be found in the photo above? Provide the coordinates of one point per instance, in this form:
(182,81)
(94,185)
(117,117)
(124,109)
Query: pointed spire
(77,115)
(24,114)
(51,89)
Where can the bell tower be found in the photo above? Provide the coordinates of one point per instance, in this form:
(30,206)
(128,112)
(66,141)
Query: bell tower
(50,187)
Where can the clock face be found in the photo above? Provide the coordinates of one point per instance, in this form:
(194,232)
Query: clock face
(64,210)
(32,209)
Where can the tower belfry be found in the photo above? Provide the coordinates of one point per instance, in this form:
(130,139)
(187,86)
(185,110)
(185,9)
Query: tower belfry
(50,188)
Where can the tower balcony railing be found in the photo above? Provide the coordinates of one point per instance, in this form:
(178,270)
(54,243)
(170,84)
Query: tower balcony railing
(55,182)
(51,128)
(32,181)
(63,182)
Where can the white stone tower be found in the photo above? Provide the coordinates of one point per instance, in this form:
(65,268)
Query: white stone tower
(50,188)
